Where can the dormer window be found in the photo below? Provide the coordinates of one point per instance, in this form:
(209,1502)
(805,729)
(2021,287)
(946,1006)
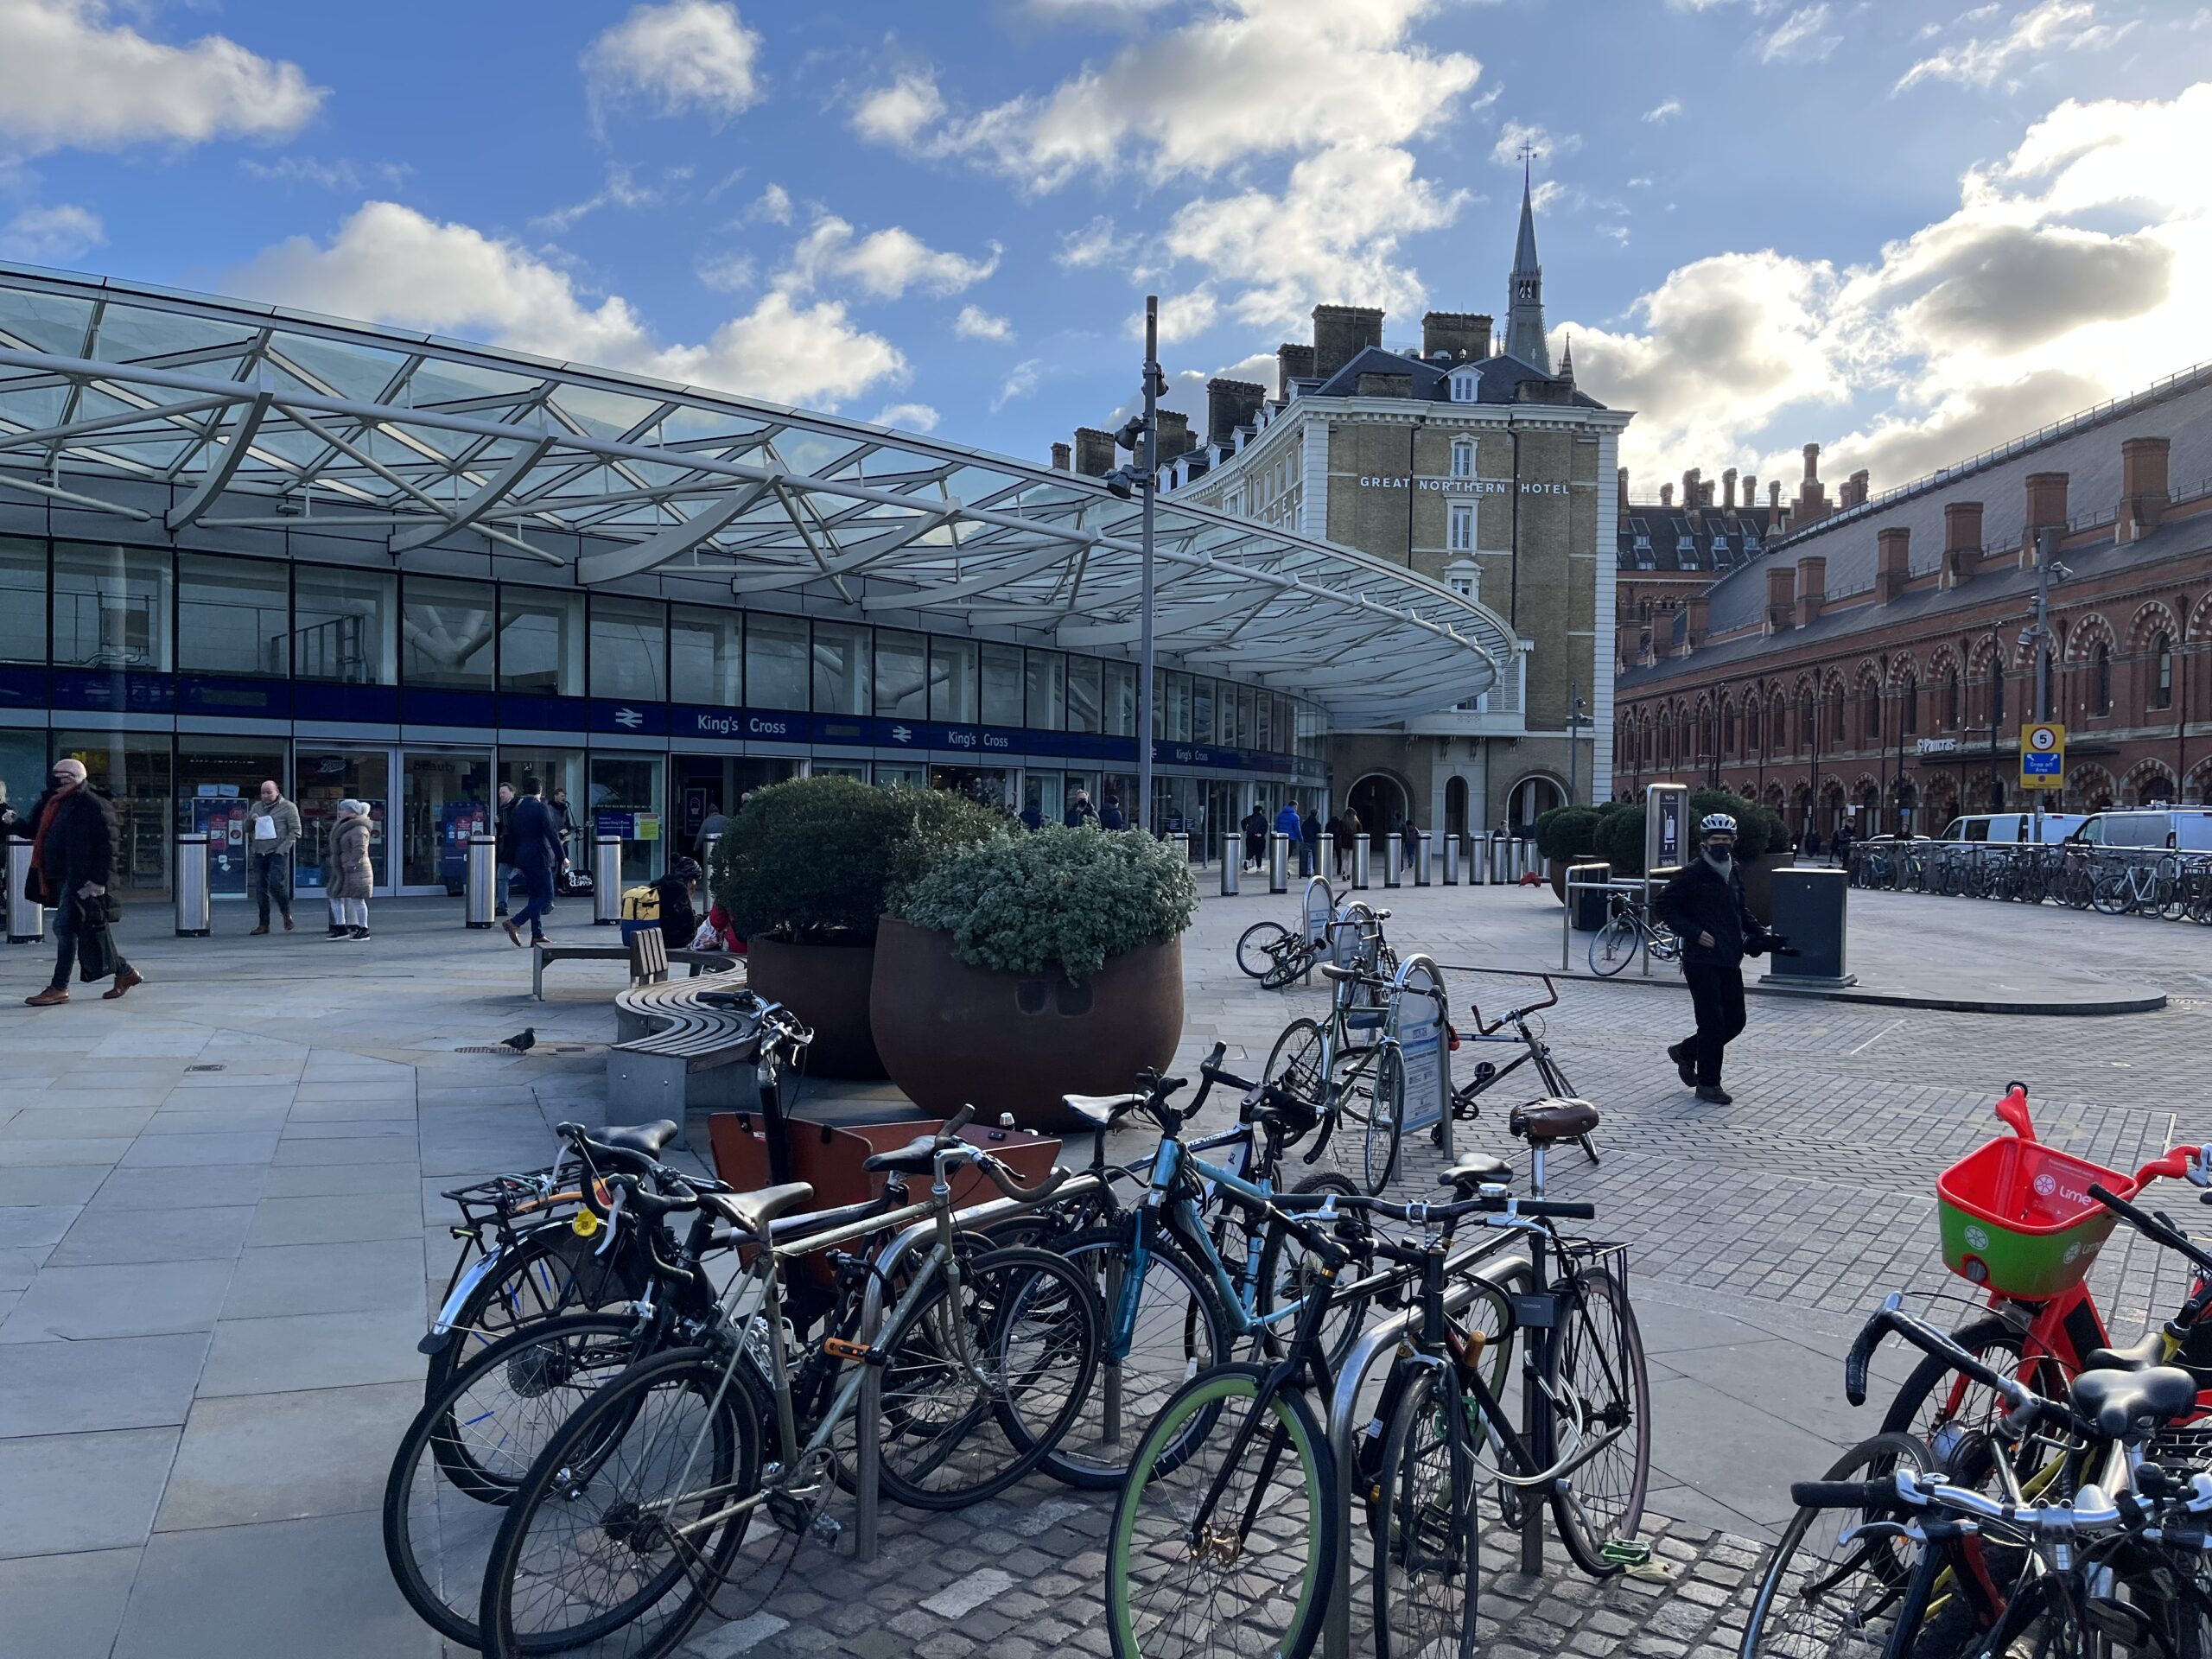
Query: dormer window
(1464,385)
(1463,459)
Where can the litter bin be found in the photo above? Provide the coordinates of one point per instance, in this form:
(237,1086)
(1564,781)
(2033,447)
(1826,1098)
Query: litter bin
(193,920)
(483,878)
(1811,911)
(1451,860)
(606,881)
(26,916)
(1359,858)
(1590,906)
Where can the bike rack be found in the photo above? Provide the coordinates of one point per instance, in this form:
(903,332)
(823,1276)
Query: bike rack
(1429,986)
(1640,886)
(866,1493)
(1509,1269)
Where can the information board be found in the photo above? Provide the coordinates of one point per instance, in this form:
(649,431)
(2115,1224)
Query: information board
(1417,1019)
(1666,826)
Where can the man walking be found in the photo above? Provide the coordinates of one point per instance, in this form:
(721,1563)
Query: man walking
(72,833)
(272,831)
(1705,904)
(1309,843)
(1079,811)
(1109,816)
(503,849)
(1255,827)
(538,860)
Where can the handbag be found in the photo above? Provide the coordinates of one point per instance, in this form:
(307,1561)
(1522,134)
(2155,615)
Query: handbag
(97,957)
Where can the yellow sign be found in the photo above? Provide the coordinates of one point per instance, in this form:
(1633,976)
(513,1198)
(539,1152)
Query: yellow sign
(2042,756)
(648,826)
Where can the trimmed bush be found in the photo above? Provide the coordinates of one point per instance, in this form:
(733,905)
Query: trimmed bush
(1568,834)
(1759,830)
(1066,899)
(1620,839)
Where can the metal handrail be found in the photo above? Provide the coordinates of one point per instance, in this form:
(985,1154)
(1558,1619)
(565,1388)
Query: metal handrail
(1638,884)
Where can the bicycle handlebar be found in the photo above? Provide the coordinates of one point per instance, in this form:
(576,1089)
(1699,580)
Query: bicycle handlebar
(2149,1226)
(1908,1490)
(1550,997)
(1003,1179)
(2025,1404)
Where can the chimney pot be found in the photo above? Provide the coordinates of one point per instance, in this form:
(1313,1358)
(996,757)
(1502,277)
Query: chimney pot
(1666,495)
(1893,560)
(2144,499)
(1293,362)
(1750,491)
(1812,463)
(1781,597)
(1622,478)
(1094,452)
(1698,613)
(1854,494)
(1774,498)
(1459,335)
(2046,511)
(1812,586)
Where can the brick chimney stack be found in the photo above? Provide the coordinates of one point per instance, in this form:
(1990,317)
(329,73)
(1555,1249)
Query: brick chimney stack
(1961,542)
(1750,492)
(1291,363)
(1774,496)
(1704,492)
(1094,452)
(1061,457)
(1812,463)
(1812,588)
(2143,494)
(1666,495)
(1781,597)
(1728,489)
(1174,433)
(1621,477)
(1342,332)
(1697,621)
(1459,335)
(1892,562)
(1854,494)
(2046,511)
(1812,497)
(1229,405)
(1692,493)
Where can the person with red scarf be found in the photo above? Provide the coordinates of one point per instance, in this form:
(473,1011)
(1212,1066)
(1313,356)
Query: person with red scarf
(71,832)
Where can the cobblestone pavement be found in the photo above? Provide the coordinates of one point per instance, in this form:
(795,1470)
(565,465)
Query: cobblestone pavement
(211,1282)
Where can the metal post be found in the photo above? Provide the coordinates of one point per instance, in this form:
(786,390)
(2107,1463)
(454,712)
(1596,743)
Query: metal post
(1360,848)
(1390,857)
(1149,484)
(482,878)
(606,881)
(26,916)
(193,920)
(2046,551)
(1452,861)
(1278,862)
(1232,861)
(1181,842)
(707,857)
(1421,859)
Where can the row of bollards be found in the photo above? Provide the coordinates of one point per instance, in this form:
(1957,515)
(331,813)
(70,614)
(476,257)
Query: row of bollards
(1437,857)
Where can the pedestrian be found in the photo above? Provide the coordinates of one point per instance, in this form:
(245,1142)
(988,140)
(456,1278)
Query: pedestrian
(679,918)
(1309,843)
(71,830)
(565,820)
(1109,815)
(1079,811)
(714,825)
(1255,836)
(349,878)
(1033,816)
(503,848)
(272,831)
(1704,904)
(538,860)
(1408,844)
(1812,846)
(1842,846)
(1345,829)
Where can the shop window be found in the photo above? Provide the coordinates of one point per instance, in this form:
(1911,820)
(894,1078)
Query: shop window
(1225,703)
(841,669)
(22,601)
(133,769)
(1121,699)
(343,624)
(953,692)
(446,631)
(1002,673)
(706,656)
(111,607)
(777,671)
(541,641)
(629,649)
(233,615)
(1202,705)
(1086,693)
(1045,679)
(902,675)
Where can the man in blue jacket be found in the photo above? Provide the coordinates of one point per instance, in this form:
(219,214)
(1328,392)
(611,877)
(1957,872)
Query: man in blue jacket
(539,858)
(1287,825)
(1705,904)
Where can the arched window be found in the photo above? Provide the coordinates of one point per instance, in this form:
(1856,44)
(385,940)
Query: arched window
(2162,671)
(1908,706)
(2101,678)
(1838,736)
(1951,698)
(1805,735)
(1871,696)
(1778,727)
(1462,458)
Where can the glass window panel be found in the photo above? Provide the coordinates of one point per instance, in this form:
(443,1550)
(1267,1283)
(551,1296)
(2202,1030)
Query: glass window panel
(1202,726)
(776,666)
(1158,702)
(902,675)
(1225,716)
(1283,739)
(952,680)
(1085,693)
(629,648)
(343,624)
(1046,698)
(706,656)
(542,641)
(1003,691)
(1263,706)
(446,633)
(1247,719)
(22,601)
(1121,699)
(840,670)
(233,615)
(1178,708)
(111,607)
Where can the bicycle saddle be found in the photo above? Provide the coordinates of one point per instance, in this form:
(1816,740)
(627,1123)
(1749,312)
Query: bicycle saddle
(2136,1356)
(751,1212)
(1097,1111)
(1554,1120)
(917,1157)
(648,1139)
(2117,1400)
(1478,1170)
(1329,970)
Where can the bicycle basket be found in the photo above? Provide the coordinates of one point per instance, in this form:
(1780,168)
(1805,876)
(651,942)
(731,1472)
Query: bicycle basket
(2017,1216)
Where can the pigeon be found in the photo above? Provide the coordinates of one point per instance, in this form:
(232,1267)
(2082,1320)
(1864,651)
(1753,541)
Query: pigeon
(523,1042)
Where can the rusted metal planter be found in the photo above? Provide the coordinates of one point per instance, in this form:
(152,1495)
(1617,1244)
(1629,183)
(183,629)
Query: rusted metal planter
(827,985)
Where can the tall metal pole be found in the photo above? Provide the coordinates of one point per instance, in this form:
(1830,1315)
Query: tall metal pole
(1149,483)
(2046,551)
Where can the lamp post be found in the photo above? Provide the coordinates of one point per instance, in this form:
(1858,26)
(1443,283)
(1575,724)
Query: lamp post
(1139,436)
(1576,720)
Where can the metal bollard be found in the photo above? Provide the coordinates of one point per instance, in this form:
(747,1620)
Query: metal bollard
(1232,862)
(26,916)
(1278,862)
(1180,841)
(1360,846)
(193,921)
(481,879)
(606,881)
(1421,859)
(1452,861)
(707,856)
(1391,855)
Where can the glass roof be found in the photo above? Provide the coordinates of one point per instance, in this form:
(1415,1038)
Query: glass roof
(250,416)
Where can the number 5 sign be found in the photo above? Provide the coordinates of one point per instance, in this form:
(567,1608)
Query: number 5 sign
(2042,756)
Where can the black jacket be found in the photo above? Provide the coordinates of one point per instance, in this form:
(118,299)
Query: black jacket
(535,838)
(1701,900)
(80,848)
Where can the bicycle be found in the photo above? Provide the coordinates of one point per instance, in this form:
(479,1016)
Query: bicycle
(1466,1098)
(1630,927)
(1348,1069)
(1277,958)
(637,1511)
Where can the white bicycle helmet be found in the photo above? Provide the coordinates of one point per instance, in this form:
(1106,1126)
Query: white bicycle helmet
(1717,823)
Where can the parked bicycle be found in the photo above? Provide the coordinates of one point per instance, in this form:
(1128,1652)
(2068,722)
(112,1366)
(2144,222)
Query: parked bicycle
(1631,926)
(1279,956)
(1528,1033)
(1349,1071)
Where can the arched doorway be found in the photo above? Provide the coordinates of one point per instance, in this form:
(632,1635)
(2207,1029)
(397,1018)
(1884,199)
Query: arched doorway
(1455,806)
(1528,800)
(1382,803)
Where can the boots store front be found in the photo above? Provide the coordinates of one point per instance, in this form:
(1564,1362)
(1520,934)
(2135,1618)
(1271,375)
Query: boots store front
(239,545)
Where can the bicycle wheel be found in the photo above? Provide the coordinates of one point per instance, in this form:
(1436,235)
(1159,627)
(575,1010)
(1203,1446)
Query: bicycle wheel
(1423,1523)
(468,1449)
(1940,1408)
(616,1538)
(1255,1578)
(1822,1598)
(1595,1379)
(1256,949)
(1294,1065)
(952,1435)
(1176,1328)
(1287,1273)
(2112,895)
(1384,1106)
(548,1270)
(1613,946)
(1293,961)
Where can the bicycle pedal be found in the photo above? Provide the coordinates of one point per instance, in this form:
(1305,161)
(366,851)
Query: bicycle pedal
(829,1528)
(1625,1552)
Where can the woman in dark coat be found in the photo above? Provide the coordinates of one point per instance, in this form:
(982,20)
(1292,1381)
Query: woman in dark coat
(71,830)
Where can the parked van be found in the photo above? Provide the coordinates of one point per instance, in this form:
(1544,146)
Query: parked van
(2186,829)
(2014,827)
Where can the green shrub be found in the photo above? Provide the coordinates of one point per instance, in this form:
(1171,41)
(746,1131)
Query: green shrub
(1062,899)
(1566,833)
(1620,839)
(823,859)
(1758,829)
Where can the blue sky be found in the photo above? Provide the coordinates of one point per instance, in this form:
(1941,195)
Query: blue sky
(1904,231)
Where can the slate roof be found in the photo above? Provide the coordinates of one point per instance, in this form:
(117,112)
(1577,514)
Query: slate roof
(1664,538)
(1501,378)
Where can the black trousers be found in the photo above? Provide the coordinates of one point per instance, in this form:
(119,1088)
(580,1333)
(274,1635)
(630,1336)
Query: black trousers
(65,923)
(1718,995)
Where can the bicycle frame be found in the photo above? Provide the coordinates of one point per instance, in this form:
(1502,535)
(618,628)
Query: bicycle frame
(1238,1300)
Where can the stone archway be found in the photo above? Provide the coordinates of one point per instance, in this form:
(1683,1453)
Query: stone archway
(1455,806)
(1383,804)
(1528,799)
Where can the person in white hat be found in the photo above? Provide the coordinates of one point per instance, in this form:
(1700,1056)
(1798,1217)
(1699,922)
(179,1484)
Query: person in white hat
(71,831)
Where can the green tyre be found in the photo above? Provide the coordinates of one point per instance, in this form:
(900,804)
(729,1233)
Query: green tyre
(1259,1579)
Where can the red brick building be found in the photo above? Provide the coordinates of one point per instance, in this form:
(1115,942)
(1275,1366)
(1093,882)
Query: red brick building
(1874,659)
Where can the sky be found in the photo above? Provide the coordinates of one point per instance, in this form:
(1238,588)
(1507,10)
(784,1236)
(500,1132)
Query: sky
(1906,232)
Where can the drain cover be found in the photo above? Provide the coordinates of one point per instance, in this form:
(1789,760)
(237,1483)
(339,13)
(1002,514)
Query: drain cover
(203,1068)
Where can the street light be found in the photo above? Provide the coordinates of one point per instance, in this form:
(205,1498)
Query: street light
(1575,720)
(1139,436)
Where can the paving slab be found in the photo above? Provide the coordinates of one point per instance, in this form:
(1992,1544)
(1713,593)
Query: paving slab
(67,1388)
(380,1275)
(72,1492)
(203,1184)
(331,1220)
(310,1351)
(145,1298)
(281,1457)
(66,1606)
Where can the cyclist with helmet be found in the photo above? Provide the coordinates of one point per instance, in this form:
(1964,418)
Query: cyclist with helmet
(1705,904)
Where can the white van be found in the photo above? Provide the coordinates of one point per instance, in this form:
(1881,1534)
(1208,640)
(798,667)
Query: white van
(2186,829)
(2014,828)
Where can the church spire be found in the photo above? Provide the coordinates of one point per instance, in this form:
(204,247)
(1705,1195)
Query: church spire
(1524,326)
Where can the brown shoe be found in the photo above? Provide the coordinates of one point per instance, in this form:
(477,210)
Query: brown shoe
(288,924)
(259,931)
(514,934)
(52,996)
(124,981)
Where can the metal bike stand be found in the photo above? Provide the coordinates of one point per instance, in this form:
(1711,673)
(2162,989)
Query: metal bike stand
(1504,1269)
(866,1496)
(1418,1018)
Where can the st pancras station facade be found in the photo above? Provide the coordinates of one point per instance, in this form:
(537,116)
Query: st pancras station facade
(238,543)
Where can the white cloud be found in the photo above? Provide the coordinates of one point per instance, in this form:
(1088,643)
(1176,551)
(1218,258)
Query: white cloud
(341,175)
(725,273)
(49,235)
(1799,38)
(1096,243)
(672,60)
(975,323)
(2040,31)
(911,417)
(883,264)
(621,189)
(1187,389)
(70,77)
(1182,316)
(1542,144)
(772,205)
(1020,382)
(390,264)
(899,113)
(1666,111)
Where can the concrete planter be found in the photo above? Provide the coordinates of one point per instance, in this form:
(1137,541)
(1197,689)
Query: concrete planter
(951,1034)
(827,986)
